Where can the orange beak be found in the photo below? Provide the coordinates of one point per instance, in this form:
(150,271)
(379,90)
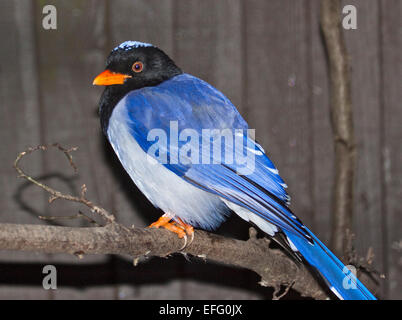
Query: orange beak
(107,78)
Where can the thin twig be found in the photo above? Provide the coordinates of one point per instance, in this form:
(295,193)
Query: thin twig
(79,215)
(277,296)
(55,194)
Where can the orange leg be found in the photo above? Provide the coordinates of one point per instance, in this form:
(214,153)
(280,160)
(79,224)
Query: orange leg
(164,222)
(180,228)
(171,226)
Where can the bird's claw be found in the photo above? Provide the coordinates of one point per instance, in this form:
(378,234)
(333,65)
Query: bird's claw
(189,231)
(185,243)
(179,227)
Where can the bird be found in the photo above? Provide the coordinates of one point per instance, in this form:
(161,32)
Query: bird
(162,123)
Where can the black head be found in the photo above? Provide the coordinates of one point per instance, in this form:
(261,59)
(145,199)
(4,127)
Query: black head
(132,65)
(136,65)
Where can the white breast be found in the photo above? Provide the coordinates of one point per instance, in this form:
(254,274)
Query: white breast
(162,187)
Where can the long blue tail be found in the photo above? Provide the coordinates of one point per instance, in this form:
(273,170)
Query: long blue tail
(341,281)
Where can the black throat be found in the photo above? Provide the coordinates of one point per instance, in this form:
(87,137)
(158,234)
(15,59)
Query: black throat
(109,99)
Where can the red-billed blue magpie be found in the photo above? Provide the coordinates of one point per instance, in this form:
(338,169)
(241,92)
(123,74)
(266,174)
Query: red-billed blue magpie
(163,125)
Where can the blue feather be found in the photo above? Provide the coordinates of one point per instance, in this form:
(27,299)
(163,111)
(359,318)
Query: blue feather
(128,45)
(342,282)
(194,104)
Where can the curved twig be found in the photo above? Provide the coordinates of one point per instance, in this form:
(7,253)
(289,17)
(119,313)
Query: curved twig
(55,194)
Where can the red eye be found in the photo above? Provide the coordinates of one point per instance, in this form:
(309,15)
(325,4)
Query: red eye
(137,66)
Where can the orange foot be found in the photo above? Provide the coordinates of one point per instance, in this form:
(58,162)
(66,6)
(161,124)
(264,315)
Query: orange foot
(180,228)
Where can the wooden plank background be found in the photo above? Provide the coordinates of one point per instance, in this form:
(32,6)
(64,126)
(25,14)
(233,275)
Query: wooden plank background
(268,58)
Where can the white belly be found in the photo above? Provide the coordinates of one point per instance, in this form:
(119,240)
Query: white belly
(162,187)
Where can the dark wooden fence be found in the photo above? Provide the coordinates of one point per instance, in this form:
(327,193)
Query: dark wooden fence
(267,57)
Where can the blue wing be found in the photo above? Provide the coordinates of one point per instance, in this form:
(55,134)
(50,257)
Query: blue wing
(194,104)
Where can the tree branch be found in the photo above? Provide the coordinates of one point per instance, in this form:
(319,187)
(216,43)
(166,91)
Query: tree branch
(342,125)
(274,267)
